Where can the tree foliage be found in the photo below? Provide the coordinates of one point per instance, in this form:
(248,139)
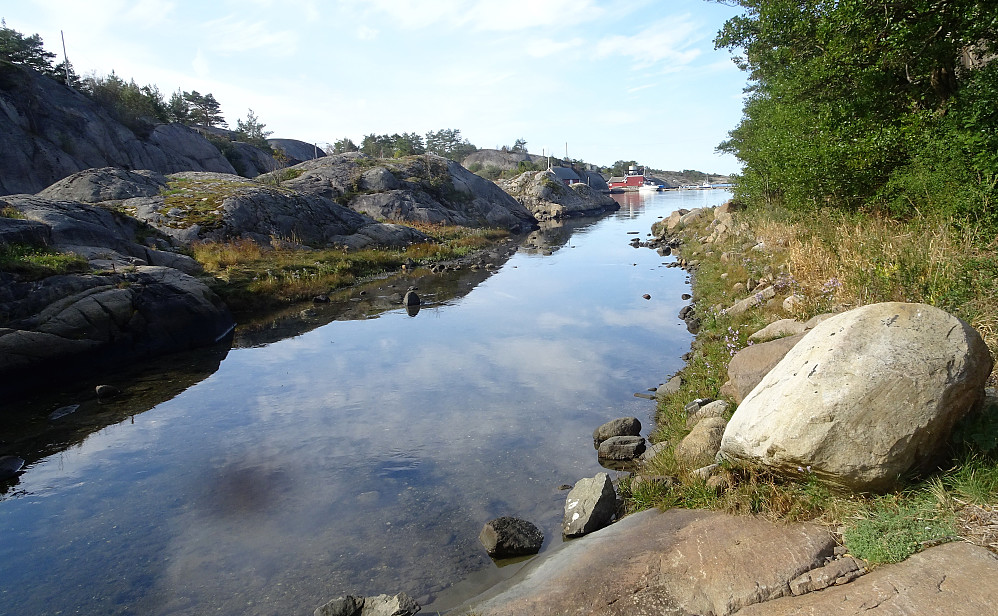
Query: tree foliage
(866,102)
(447,142)
(251,131)
(344,145)
(135,106)
(395,145)
(25,50)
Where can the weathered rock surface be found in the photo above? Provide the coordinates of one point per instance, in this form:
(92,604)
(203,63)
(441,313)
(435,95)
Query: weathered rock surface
(507,536)
(622,426)
(621,448)
(210,206)
(106,237)
(79,323)
(749,365)
(864,397)
(105,184)
(779,329)
(548,198)
(678,562)
(49,131)
(955,579)
(403,189)
(589,506)
(296,151)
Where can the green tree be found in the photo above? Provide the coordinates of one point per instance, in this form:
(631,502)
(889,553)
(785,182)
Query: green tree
(138,107)
(846,96)
(24,50)
(344,145)
(251,130)
(204,109)
(520,145)
(620,167)
(447,142)
(178,109)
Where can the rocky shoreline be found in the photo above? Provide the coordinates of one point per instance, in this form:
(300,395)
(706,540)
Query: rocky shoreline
(686,562)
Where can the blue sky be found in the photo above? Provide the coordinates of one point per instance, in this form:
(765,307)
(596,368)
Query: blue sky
(616,81)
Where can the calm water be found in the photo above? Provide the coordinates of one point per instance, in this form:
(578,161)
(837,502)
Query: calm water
(359,457)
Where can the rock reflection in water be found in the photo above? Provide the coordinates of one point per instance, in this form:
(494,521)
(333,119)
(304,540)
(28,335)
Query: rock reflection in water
(50,422)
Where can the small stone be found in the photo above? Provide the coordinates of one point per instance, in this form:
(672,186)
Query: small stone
(686,296)
(646,296)
(622,447)
(106,392)
(321,299)
(410,299)
(622,426)
(507,536)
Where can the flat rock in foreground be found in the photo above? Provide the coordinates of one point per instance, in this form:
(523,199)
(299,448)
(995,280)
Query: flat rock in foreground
(955,579)
(677,562)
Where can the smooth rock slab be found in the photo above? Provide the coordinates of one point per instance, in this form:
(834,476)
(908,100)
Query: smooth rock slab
(589,506)
(507,536)
(865,397)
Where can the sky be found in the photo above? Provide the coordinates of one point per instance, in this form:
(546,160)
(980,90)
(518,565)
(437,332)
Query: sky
(614,81)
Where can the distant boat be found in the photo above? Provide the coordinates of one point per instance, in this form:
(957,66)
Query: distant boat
(649,186)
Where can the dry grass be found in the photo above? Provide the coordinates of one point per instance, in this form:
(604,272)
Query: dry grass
(837,262)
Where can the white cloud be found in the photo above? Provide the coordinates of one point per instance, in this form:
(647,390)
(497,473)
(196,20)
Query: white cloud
(543,47)
(365,33)
(488,15)
(200,65)
(668,41)
(229,35)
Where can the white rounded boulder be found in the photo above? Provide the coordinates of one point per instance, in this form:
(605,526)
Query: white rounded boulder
(863,398)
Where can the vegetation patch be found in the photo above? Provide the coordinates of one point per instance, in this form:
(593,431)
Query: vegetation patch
(10,211)
(35,263)
(252,277)
(191,202)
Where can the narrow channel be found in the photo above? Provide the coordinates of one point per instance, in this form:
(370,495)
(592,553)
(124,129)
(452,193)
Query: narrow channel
(361,456)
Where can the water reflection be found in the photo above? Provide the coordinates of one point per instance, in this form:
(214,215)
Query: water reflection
(354,456)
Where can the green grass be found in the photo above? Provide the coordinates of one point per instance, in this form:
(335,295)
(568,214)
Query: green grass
(890,528)
(35,263)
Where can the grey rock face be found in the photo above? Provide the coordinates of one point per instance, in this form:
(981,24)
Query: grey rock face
(507,536)
(105,184)
(589,506)
(548,198)
(622,426)
(449,194)
(222,207)
(349,605)
(20,231)
(864,397)
(71,325)
(49,131)
(622,448)
(297,151)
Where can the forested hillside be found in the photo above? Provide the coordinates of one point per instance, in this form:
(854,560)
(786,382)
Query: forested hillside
(877,104)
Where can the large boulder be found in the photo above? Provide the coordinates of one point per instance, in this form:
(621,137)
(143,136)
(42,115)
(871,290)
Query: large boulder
(590,505)
(105,184)
(864,398)
(548,198)
(700,446)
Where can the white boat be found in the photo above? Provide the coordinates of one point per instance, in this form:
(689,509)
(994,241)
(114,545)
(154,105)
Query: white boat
(649,186)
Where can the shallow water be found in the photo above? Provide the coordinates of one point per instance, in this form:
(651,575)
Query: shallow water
(353,457)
